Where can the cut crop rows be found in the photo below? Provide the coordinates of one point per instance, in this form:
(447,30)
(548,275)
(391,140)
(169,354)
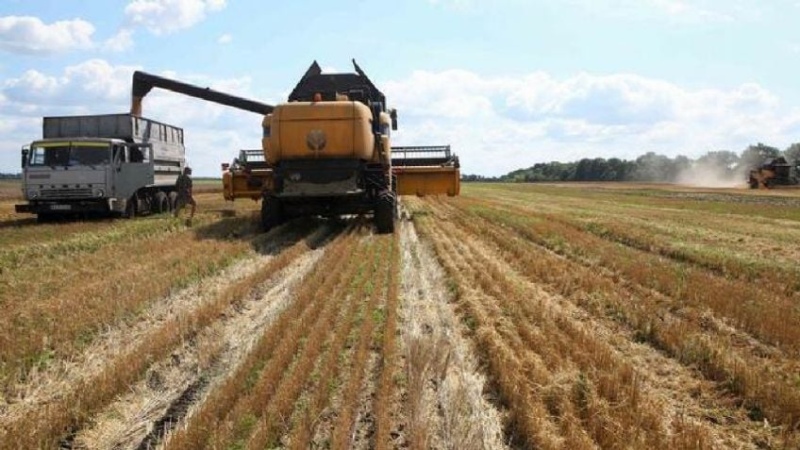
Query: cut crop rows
(578,379)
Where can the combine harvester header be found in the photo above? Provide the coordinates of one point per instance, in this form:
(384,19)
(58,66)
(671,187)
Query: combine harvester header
(325,152)
(426,170)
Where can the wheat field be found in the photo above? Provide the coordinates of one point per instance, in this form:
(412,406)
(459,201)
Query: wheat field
(553,316)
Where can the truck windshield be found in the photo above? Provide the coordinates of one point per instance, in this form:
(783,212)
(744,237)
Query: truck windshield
(69,154)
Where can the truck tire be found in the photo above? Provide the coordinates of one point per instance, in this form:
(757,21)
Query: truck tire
(161,203)
(385,212)
(130,208)
(172,201)
(271,213)
(45,217)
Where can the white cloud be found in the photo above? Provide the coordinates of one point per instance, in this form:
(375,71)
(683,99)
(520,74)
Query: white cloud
(121,41)
(498,124)
(214,133)
(29,35)
(168,16)
(495,123)
(93,83)
(225,39)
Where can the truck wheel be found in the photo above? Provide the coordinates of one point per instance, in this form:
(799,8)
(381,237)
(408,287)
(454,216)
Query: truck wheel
(45,217)
(172,200)
(385,212)
(130,208)
(161,203)
(271,213)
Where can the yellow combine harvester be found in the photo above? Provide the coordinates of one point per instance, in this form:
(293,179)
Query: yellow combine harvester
(326,151)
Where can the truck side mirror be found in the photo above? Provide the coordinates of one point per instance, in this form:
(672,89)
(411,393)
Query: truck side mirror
(25,152)
(393,115)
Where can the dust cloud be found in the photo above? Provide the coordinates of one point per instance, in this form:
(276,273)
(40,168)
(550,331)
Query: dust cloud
(711,176)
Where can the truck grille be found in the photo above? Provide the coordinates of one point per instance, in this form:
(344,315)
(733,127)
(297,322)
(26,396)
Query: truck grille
(66,193)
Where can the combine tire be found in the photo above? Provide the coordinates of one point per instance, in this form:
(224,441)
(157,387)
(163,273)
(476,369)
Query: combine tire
(161,203)
(385,212)
(271,213)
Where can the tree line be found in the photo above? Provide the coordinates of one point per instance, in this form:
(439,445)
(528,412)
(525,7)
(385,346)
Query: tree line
(722,165)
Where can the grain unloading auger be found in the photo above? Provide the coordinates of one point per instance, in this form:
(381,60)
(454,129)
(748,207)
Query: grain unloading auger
(326,151)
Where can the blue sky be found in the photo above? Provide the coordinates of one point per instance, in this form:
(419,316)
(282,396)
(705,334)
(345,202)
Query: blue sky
(507,83)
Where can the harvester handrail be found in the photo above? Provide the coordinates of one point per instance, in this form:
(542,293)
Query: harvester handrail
(424,155)
(445,149)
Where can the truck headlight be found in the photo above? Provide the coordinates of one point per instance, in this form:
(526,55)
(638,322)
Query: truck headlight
(33,193)
(99,193)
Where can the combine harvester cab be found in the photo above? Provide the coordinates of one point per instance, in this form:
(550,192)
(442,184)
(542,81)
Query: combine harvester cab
(773,173)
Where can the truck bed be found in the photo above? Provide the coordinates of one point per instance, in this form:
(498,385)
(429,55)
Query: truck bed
(167,140)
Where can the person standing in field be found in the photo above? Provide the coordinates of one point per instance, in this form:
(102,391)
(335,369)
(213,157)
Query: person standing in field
(183,186)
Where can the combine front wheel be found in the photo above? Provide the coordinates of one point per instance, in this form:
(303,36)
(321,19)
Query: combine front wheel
(385,212)
(271,214)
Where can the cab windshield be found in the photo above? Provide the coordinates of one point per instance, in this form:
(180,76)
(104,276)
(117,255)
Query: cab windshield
(69,154)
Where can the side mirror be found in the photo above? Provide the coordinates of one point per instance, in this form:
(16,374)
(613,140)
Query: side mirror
(393,115)
(225,166)
(25,152)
